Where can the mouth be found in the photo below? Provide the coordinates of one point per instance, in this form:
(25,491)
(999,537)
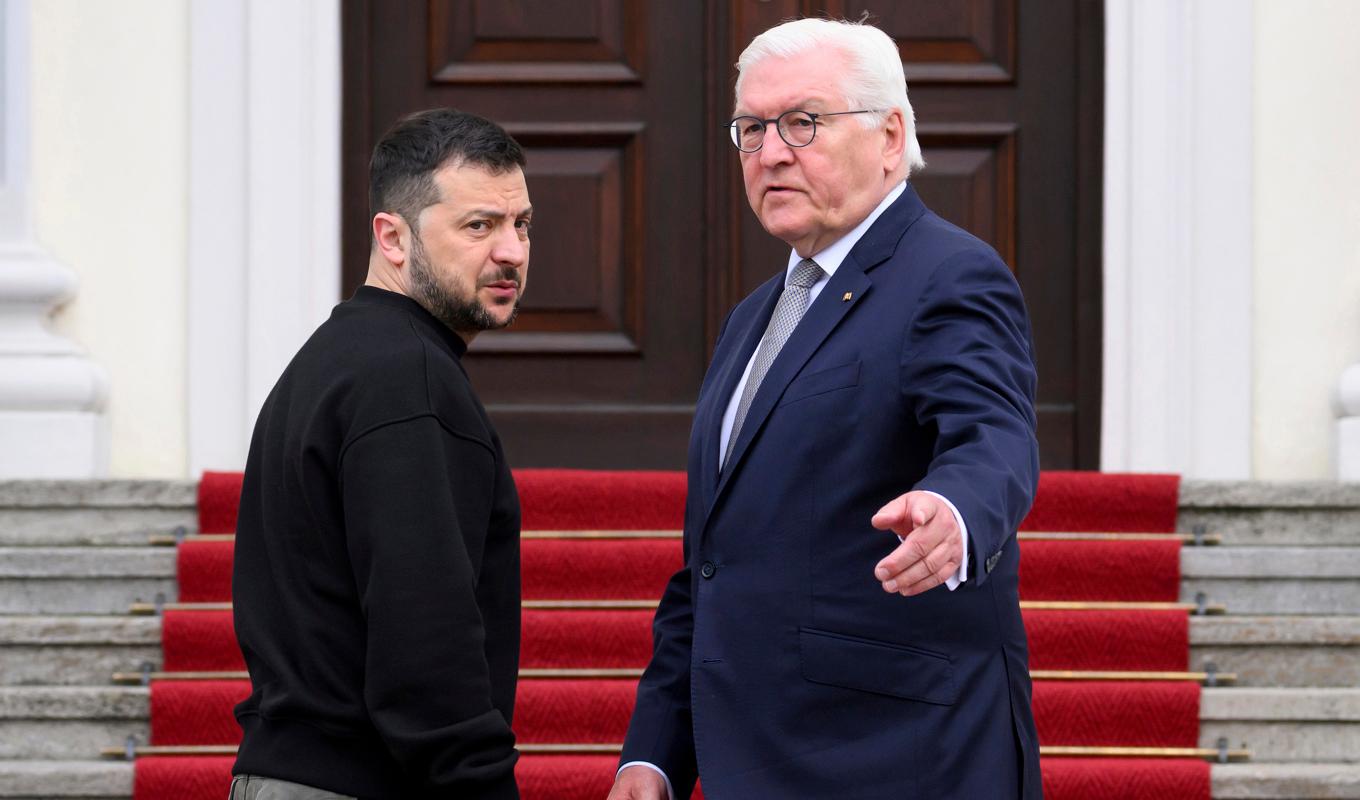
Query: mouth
(503,290)
(777,190)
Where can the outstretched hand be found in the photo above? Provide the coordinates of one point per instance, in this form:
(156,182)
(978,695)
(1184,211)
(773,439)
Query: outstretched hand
(931,550)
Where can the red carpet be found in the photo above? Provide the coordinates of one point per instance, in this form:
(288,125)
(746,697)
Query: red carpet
(540,777)
(552,499)
(563,499)
(203,641)
(596,711)
(631,569)
(1108,640)
(562,776)
(1125,779)
(1096,501)
(560,711)
(219,495)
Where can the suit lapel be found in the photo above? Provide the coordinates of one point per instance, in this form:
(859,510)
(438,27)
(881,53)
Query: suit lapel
(851,280)
(820,320)
(746,334)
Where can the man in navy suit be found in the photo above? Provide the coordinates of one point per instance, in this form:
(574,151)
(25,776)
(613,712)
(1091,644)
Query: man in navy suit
(882,384)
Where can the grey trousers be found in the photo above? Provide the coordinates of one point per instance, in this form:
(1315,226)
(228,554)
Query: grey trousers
(253,787)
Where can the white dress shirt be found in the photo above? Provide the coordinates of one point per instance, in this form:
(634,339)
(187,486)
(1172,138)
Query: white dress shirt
(829,259)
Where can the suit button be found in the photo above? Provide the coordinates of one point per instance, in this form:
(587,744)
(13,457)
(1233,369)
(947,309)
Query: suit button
(991,562)
(707,569)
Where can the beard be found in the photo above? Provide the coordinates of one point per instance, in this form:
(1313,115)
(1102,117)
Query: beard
(449,301)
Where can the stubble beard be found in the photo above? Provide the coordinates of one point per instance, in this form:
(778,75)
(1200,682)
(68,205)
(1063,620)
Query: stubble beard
(451,303)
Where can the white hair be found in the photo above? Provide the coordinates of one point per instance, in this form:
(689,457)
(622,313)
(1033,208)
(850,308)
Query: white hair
(874,78)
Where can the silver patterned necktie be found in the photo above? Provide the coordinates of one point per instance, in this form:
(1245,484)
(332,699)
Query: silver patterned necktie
(793,303)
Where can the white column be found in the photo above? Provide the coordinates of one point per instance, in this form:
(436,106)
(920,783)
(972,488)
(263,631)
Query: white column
(264,206)
(52,397)
(1348,426)
(1178,264)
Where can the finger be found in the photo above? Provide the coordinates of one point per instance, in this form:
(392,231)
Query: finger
(906,513)
(932,580)
(901,559)
(940,563)
(922,513)
(891,515)
(914,548)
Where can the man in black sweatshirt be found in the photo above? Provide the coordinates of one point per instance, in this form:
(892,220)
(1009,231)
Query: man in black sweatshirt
(376,584)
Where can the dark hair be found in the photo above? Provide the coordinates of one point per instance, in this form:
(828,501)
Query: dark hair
(401,172)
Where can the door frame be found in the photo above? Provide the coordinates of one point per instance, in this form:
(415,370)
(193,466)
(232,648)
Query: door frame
(264,206)
(265,127)
(1178,248)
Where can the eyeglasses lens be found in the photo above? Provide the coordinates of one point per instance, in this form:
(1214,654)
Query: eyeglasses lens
(797,128)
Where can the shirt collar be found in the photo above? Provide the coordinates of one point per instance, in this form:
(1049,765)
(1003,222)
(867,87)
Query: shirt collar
(831,256)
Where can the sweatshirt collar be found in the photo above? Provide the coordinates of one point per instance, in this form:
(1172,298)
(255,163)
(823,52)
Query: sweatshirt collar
(372,295)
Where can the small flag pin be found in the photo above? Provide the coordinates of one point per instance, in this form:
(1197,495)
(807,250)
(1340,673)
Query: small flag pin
(847,297)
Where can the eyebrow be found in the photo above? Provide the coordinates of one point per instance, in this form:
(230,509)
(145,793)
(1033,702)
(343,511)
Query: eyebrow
(801,105)
(491,213)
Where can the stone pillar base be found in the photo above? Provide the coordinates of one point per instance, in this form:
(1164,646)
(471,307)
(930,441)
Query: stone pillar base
(1348,449)
(53,444)
(1348,425)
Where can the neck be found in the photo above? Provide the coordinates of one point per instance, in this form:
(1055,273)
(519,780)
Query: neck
(382,275)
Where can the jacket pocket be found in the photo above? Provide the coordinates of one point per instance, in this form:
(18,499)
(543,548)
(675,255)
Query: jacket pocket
(870,665)
(843,376)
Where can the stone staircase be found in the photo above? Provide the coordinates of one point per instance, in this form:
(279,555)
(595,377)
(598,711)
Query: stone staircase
(75,555)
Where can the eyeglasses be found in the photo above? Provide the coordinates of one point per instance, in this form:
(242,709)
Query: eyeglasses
(797,128)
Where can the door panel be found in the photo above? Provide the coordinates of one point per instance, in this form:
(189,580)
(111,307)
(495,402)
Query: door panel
(643,239)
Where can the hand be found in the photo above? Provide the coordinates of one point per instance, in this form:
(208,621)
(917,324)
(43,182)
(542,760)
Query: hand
(931,550)
(638,783)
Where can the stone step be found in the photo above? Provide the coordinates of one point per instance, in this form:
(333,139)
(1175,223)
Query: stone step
(69,780)
(83,580)
(1274,580)
(105,512)
(1286,513)
(1262,651)
(61,722)
(1265,781)
(75,650)
(1285,651)
(112,780)
(1284,725)
(1248,580)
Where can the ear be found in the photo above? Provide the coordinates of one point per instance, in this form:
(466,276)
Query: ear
(391,236)
(894,141)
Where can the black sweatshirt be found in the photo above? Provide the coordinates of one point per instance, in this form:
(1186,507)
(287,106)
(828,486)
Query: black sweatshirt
(376,583)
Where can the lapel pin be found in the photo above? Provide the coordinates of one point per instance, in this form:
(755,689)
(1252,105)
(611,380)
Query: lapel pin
(847,297)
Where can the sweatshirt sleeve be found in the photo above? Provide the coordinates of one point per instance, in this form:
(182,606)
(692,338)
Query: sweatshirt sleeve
(427,684)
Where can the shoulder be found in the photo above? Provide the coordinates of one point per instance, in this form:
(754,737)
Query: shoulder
(386,366)
(941,246)
(935,259)
(379,348)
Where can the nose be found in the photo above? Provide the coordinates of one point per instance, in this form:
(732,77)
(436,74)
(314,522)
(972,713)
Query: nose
(774,150)
(509,249)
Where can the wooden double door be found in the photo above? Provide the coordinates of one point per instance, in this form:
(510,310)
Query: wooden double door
(642,236)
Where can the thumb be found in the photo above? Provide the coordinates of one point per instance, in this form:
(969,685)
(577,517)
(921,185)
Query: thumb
(922,511)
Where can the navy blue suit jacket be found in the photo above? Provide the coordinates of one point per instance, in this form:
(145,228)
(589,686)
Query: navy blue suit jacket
(781,668)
